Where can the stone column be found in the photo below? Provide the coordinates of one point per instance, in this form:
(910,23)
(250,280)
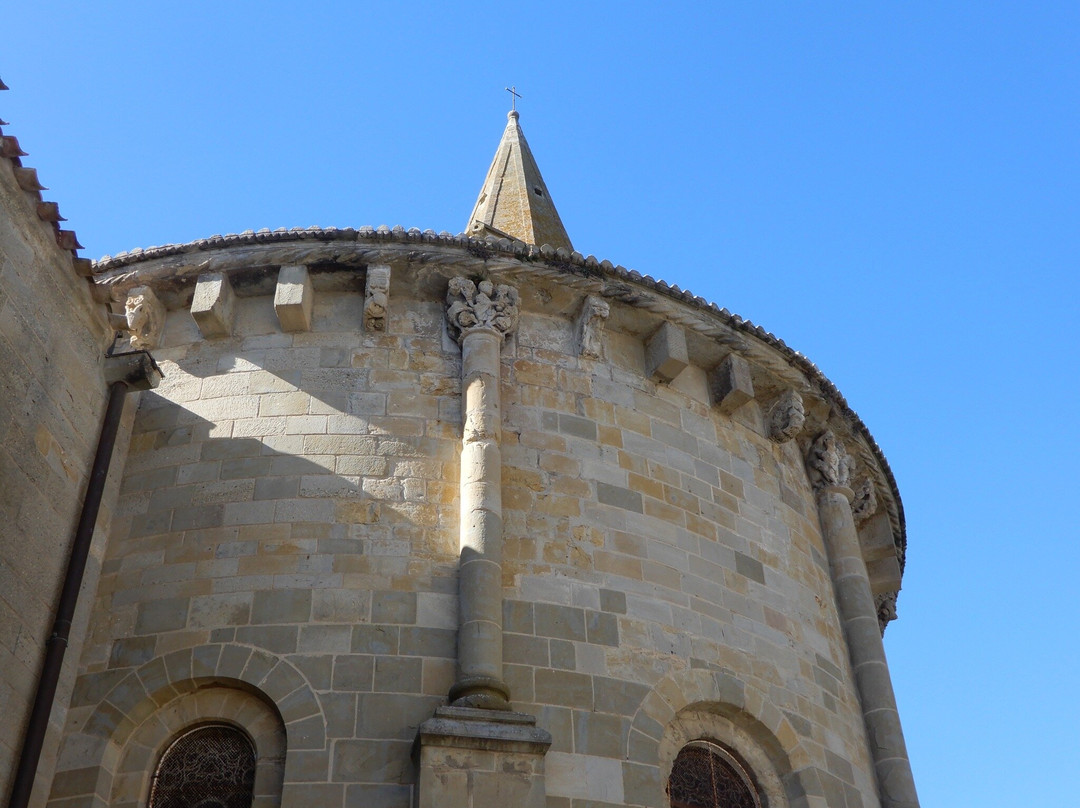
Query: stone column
(482,315)
(477,751)
(828,467)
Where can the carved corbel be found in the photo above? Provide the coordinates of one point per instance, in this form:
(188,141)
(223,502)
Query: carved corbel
(730,384)
(786,417)
(472,306)
(590,326)
(665,353)
(376,297)
(213,304)
(144,316)
(827,462)
(864,505)
(294,298)
(886,609)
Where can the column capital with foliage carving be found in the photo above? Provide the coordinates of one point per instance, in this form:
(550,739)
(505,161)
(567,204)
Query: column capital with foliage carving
(828,463)
(483,306)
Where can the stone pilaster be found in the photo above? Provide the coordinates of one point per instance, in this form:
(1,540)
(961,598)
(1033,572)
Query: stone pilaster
(829,469)
(482,316)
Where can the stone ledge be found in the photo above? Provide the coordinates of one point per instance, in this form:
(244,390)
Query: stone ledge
(496,731)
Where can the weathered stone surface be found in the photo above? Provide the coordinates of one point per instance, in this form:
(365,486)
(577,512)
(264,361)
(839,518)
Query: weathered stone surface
(514,202)
(484,305)
(884,572)
(589,326)
(212,305)
(483,314)
(828,462)
(145,317)
(730,384)
(469,728)
(53,335)
(376,297)
(502,754)
(665,353)
(864,504)
(786,417)
(886,608)
(860,615)
(349,524)
(294,298)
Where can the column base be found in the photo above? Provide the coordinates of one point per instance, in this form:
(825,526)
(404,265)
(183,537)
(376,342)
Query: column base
(480,692)
(472,758)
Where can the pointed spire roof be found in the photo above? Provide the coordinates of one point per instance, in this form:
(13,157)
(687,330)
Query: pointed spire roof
(514,201)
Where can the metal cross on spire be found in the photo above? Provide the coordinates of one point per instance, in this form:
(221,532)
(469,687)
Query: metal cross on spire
(512,89)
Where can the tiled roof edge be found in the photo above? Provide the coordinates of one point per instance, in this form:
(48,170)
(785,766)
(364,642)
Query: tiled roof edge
(49,212)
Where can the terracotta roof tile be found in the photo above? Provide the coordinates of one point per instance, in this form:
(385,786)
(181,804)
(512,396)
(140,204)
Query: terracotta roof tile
(49,212)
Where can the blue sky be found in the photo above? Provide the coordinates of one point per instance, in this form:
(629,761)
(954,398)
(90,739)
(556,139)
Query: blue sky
(890,188)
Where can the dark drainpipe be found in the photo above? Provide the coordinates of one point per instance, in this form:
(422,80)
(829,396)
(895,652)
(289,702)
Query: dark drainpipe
(124,372)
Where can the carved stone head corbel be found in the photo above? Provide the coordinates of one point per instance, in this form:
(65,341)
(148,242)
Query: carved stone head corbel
(865,503)
(886,608)
(376,297)
(827,462)
(590,326)
(786,417)
(145,317)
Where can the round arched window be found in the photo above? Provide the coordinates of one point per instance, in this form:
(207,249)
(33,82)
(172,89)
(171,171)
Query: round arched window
(705,775)
(211,766)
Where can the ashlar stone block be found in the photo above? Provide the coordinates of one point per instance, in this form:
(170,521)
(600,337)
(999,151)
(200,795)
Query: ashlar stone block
(666,355)
(213,303)
(294,298)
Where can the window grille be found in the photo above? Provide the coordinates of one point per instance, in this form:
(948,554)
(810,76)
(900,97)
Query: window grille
(706,776)
(211,766)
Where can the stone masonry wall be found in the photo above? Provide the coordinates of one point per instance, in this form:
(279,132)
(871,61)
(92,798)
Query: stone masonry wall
(288,524)
(648,538)
(52,396)
(295,494)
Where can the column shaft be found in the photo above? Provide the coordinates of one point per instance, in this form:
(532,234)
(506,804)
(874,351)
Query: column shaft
(479,678)
(896,786)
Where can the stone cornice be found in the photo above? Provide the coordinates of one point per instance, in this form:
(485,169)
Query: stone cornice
(177,266)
